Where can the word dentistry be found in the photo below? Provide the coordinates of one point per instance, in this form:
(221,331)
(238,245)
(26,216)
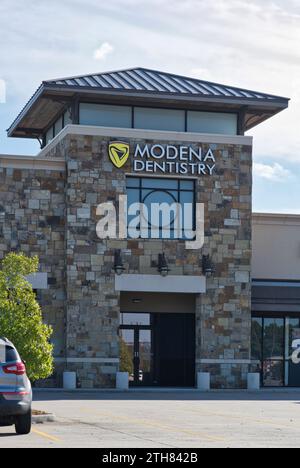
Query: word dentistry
(174,160)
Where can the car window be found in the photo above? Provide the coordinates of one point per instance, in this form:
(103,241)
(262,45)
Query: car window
(11,354)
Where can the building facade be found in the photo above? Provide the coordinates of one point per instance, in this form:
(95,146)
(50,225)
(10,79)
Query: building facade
(161,308)
(276,298)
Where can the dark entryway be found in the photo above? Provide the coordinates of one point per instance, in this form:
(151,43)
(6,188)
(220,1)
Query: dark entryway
(175,349)
(158,349)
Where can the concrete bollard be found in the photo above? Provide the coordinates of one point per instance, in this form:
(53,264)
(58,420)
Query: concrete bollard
(254,382)
(203,381)
(122,381)
(69,380)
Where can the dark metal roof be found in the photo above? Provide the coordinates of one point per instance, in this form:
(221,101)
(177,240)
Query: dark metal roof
(151,81)
(145,86)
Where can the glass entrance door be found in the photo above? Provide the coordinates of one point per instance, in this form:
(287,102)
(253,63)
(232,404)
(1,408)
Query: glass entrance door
(158,349)
(136,348)
(145,357)
(127,353)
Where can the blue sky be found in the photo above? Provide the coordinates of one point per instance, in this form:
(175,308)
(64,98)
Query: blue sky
(252,44)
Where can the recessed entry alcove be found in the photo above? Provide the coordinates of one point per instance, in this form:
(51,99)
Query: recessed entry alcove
(157,339)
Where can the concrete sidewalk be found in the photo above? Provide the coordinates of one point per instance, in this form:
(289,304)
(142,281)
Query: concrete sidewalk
(164,390)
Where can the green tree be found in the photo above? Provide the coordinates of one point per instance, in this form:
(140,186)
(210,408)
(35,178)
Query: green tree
(21,316)
(126,362)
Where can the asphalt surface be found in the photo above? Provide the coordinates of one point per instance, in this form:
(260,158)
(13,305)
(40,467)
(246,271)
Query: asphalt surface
(164,420)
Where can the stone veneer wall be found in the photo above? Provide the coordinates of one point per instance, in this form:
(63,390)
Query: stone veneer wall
(223,314)
(32,220)
(81,265)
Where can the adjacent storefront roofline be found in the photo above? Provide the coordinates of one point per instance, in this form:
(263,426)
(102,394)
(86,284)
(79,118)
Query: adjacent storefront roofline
(276,218)
(9,161)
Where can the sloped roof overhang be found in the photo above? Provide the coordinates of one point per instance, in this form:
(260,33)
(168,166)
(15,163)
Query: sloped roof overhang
(50,100)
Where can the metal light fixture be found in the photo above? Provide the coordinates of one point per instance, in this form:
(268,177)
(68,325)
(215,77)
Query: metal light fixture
(207,266)
(118,265)
(136,301)
(163,265)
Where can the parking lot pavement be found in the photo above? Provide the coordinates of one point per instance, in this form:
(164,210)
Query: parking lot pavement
(165,420)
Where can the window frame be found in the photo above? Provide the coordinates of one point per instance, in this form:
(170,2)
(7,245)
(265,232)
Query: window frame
(54,121)
(190,112)
(107,105)
(140,189)
(186,111)
(183,112)
(286,317)
(137,106)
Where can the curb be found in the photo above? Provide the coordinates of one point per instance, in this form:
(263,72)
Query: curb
(43,418)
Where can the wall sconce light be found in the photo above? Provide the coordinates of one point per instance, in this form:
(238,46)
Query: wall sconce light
(118,265)
(136,301)
(207,266)
(163,267)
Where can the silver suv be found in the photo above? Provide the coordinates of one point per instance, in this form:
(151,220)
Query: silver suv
(15,390)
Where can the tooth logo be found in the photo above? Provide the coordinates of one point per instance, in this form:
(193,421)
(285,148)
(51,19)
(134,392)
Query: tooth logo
(119,153)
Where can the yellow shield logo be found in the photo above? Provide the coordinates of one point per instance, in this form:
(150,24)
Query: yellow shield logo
(119,153)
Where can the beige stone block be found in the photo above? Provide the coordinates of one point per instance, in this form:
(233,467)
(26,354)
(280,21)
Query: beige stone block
(97,259)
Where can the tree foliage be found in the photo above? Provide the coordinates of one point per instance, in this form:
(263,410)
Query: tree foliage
(21,316)
(126,362)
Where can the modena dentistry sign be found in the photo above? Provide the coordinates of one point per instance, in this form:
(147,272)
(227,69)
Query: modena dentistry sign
(165,159)
(169,159)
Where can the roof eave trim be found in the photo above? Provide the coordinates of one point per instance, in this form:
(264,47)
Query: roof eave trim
(276,102)
(28,106)
(263,119)
(279,104)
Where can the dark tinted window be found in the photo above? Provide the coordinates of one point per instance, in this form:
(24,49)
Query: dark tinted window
(273,346)
(152,193)
(11,354)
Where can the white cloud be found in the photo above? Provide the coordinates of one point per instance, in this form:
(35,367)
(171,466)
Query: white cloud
(201,74)
(274,173)
(103,51)
(246,44)
(2,91)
